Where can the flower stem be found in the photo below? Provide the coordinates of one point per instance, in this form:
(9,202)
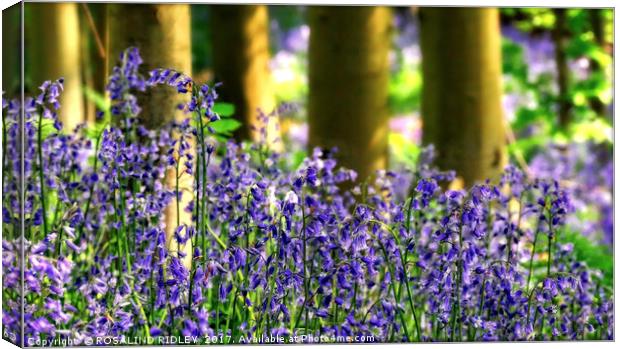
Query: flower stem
(529,275)
(549,250)
(393,275)
(42,179)
(92,188)
(549,244)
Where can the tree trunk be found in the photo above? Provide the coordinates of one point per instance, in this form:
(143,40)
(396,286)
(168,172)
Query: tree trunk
(162,34)
(11,51)
(560,38)
(461,98)
(53,51)
(597,23)
(348,73)
(93,25)
(240,38)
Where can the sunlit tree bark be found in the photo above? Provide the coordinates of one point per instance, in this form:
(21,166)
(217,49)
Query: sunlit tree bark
(52,34)
(162,33)
(461,98)
(240,37)
(348,73)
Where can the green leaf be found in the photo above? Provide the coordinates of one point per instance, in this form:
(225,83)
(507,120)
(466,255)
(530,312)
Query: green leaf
(224,109)
(298,158)
(225,126)
(47,128)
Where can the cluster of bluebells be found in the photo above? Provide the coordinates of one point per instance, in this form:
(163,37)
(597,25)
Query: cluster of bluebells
(275,251)
(123,83)
(586,171)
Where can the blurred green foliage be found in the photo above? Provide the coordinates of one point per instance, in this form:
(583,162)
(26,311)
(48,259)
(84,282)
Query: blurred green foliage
(530,19)
(535,123)
(405,87)
(403,151)
(288,17)
(596,256)
(290,82)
